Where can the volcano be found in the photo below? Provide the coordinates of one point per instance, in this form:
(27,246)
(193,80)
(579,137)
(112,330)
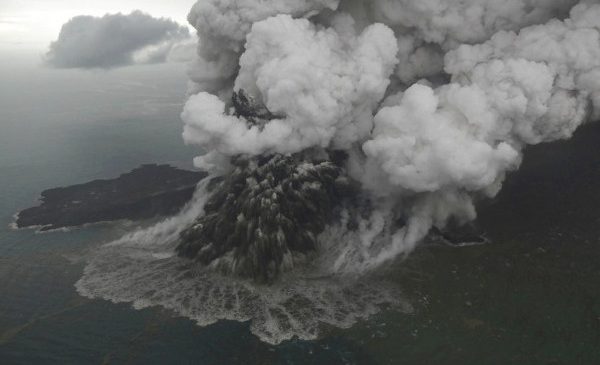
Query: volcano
(268,208)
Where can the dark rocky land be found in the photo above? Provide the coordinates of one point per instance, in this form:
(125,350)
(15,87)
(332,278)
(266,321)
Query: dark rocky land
(148,191)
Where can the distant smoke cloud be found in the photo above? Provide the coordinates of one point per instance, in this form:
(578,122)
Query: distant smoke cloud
(116,40)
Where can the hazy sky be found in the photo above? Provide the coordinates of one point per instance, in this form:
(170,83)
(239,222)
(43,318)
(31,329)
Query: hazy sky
(32,24)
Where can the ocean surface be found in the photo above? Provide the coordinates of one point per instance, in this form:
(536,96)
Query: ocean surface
(532,296)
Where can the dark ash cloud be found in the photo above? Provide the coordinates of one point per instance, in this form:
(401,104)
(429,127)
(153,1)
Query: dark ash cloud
(114,40)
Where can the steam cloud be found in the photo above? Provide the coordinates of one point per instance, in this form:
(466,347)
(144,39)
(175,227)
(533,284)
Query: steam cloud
(434,101)
(117,40)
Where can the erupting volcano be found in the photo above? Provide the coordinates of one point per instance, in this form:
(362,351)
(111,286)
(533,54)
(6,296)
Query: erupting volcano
(338,134)
(428,105)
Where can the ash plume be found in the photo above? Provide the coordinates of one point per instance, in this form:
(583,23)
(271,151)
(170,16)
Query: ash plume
(432,102)
(338,135)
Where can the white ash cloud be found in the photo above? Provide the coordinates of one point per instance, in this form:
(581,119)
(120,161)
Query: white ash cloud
(515,89)
(348,75)
(115,40)
(454,22)
(222,27)
(325,83)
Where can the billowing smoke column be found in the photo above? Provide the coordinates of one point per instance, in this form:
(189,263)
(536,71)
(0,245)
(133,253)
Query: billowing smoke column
(432,102)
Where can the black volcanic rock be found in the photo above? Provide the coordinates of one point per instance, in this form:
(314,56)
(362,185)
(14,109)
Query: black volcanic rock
(458,235)
(265,210)
(245,106)
(145,192)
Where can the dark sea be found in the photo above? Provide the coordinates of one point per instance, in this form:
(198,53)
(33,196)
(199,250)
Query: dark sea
(531,296)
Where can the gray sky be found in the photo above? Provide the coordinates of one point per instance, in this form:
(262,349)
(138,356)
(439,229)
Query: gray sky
(33,24)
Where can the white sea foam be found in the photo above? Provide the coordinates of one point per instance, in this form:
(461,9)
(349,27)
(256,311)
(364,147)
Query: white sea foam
(13,225)
(141,269)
